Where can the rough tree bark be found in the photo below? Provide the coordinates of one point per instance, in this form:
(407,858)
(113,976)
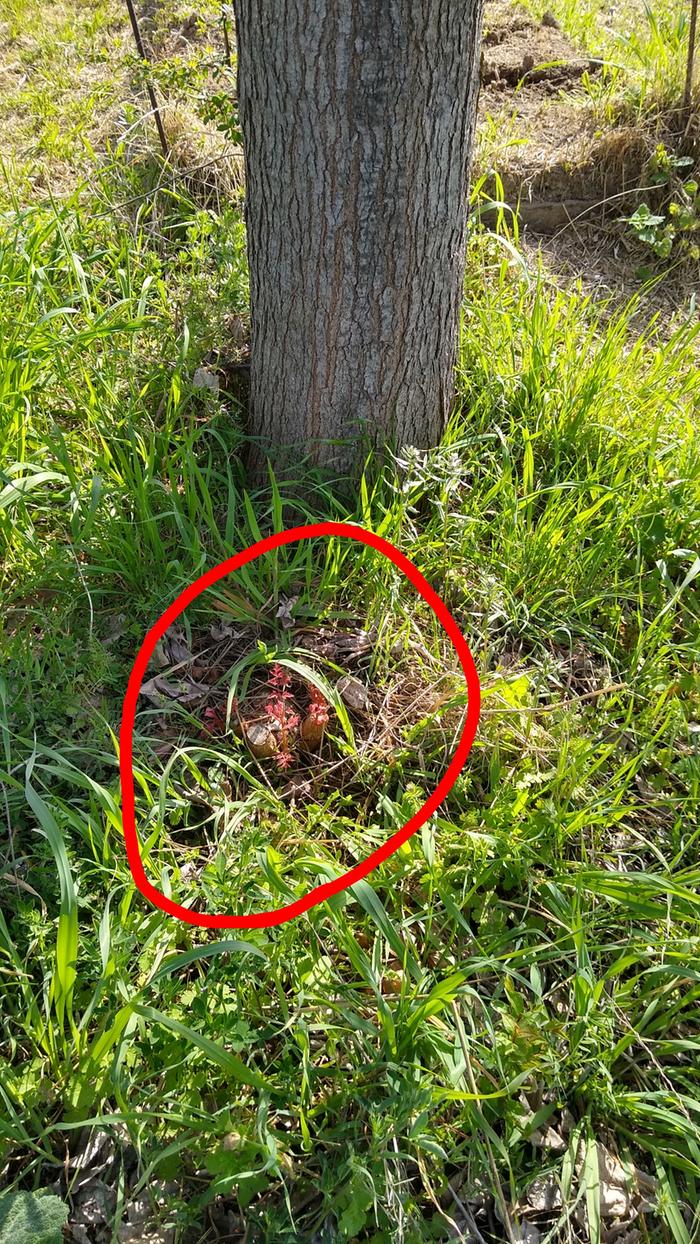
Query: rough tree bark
(357,119)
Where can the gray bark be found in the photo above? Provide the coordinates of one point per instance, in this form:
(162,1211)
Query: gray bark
(357,119)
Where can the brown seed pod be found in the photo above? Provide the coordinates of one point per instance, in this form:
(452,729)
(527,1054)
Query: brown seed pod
(261,741)
(392,982)
(311,733)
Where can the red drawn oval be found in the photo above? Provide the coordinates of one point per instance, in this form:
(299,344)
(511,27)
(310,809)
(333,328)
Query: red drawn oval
(266,919)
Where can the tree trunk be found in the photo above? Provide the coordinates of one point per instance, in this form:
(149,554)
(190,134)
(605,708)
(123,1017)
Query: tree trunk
(357,120)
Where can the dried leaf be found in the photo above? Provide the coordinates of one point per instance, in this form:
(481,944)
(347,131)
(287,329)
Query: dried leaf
(94,1152)
(205,378)
(177,647)
(141,1225)
(190,871)
(615,1189)
(548,1140)
(237,330)
(544,1194)
(285,611)
(340,646)
(526,1233)
(159,690)
(117,629)
(93,1209)
(159,659)
(220,631)
(296,789)
(352,692)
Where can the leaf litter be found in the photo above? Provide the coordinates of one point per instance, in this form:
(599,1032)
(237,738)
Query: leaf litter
(308,713)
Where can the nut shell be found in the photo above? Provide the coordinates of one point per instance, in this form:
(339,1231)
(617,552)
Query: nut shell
(261,741)
(311,733)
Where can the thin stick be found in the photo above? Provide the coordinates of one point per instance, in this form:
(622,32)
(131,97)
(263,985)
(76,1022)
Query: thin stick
(151,93)
(688,93)
(465,1210)
(431,1193)
(558,704)
(227,44)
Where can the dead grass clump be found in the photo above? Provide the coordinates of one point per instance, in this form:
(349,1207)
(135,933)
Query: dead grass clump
(622,154)
(202,164)
(208,165)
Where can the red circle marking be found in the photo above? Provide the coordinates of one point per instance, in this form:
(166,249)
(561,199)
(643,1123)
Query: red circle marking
(266,919)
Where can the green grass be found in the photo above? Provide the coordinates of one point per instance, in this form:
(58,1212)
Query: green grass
(73,87)
(64,66)
(535,948)
(531,957)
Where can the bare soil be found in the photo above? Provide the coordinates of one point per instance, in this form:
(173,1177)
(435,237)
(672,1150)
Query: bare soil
(605,263)
(515,49)
(557,161)
(568,179)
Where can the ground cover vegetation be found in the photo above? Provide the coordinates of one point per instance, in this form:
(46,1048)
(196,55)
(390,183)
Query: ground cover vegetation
(496,1036)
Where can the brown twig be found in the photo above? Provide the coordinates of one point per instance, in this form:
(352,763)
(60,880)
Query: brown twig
(151,93)
(227,42)
(443,1214)
(552,708)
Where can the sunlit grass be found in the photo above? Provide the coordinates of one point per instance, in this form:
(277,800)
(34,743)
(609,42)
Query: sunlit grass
(530,958)
(545,921)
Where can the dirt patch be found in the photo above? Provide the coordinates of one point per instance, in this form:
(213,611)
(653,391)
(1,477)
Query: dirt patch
(538,130)
(558,158)
(516,49)
(569,181)
(605,263)
(215,688)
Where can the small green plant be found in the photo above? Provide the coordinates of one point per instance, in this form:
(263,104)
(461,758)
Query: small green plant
(664,165)
(671,229)
(28,1218)
(219,108)
(653,230)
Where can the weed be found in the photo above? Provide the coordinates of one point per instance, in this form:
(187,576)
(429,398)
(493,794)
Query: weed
(670,230)
(513,996)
